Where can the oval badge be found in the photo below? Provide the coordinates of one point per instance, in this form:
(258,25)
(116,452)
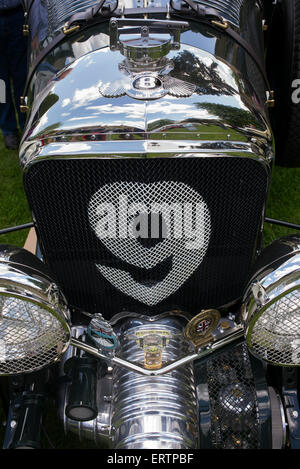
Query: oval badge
(146,85)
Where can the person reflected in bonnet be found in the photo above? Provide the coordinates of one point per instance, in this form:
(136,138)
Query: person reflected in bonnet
(13,70)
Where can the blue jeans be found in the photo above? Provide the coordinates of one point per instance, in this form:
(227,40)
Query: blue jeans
(13,69)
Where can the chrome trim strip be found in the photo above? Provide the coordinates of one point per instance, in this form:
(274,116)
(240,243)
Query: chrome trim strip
(147,149)
(279,424)
(133,147)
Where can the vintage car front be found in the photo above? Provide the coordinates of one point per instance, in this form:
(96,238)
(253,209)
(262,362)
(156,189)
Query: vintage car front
(150,301)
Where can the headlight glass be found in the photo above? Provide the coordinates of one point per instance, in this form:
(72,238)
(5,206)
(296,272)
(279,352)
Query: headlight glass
(274,334)
(34,317)
(31,336)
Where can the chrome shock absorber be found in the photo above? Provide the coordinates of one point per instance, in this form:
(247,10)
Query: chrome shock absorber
(154,412)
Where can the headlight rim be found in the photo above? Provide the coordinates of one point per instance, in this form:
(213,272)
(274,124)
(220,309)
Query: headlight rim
(255,316)
(25,278)
(277,276)
(53,312)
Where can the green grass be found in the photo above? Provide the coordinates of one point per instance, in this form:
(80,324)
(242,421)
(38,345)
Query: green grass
(13,204)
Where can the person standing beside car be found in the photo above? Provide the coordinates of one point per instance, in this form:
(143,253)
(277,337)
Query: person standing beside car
(13,70)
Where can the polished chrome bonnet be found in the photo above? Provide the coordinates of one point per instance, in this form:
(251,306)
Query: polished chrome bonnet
(156,88)
(83,113)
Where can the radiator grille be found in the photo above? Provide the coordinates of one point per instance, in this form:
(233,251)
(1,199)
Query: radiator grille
(151,274)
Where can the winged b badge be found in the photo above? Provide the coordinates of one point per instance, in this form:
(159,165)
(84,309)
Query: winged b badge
(147,85)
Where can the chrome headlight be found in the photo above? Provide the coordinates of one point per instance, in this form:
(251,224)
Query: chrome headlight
(271,309)
(34,330)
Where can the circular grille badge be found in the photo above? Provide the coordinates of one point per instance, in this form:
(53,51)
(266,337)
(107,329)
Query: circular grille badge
(146,86)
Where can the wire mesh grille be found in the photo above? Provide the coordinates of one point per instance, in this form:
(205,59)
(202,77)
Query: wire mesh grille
(275,336)
(30,337)
(63,195)
(167,229)
(233,403)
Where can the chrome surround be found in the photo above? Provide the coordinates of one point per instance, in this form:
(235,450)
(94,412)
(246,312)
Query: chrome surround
(144,149)
(271,283)
(83,123)
(22,276)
